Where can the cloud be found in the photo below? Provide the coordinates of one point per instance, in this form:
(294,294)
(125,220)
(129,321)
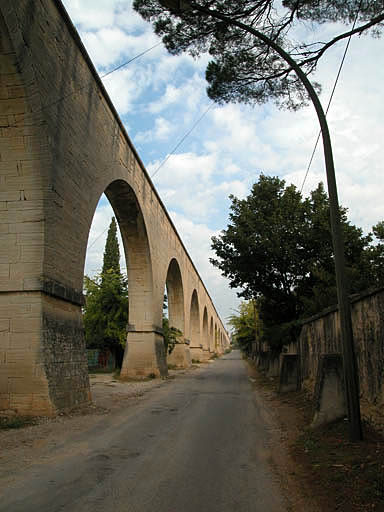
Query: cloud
(92,14)
(189,94)
(161,131)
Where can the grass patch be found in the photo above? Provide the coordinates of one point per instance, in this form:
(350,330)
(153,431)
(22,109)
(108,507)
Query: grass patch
(195,361)
(172,366)
(14,422)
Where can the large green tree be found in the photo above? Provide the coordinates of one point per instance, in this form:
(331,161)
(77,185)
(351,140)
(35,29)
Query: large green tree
(277,248)
(242,68)
(106,308)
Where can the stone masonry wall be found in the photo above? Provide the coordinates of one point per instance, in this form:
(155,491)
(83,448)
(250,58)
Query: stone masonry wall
(321,335)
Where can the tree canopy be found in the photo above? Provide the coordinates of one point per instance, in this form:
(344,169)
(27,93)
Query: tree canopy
(242,68)
(277,248)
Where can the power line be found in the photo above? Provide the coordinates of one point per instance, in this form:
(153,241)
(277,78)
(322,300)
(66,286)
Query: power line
(183,139)
(97,238)
(65,96)
(330,100)
(130,60)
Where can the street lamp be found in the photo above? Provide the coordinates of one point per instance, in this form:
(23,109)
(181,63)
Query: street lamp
(349,358)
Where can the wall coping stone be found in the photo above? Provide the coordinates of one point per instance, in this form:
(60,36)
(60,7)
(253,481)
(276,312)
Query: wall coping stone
(356,297)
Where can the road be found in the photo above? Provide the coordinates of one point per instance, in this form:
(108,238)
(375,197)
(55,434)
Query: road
(197,444)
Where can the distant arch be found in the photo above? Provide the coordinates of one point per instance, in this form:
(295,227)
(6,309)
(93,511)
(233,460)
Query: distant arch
(216,337)
(211,337)
(205,340)
(194,324)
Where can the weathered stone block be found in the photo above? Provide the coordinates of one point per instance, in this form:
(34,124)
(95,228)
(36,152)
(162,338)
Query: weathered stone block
(144,355)
(289,373)
(180,356)
(329,398)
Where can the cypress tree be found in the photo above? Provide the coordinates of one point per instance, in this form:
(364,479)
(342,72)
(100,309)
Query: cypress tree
(106,309)
(111,260)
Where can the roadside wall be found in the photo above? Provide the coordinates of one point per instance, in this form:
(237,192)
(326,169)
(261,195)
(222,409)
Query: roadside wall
(321,334)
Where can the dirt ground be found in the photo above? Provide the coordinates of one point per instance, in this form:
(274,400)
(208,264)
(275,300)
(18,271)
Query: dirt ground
(322,465)
(319,470)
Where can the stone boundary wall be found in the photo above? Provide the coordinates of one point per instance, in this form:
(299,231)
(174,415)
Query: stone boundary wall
(321,335)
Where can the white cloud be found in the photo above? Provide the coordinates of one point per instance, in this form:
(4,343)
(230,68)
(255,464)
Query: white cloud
(161,131)
(189,95)
(92,14)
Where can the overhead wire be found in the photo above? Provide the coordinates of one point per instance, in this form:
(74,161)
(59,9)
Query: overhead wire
(97,238)
(330,99)
(130,60)
(183,139)
(78,89)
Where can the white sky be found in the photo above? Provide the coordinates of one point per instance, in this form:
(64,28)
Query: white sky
(159,97)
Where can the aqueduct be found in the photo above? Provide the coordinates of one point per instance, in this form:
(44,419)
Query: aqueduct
(62,146)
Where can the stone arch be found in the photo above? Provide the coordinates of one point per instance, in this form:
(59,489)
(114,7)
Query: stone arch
(180,355)
(175,294)
(137,252)
(211,337)
(205,336)
(216,338)
(144,352)
(194,328)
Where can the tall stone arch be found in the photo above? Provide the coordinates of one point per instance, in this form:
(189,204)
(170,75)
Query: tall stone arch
(216,339)
(180,356)
(196,347)
(211,337)
(144,351)
(205,335)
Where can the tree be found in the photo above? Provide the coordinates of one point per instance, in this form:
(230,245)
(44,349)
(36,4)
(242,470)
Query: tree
(106,309)
(318,290)
(246,326)
(376,254)
(243,68)
(262,249)
(277,249)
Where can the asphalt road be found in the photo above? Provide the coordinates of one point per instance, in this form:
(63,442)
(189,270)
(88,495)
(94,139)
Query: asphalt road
(197,444)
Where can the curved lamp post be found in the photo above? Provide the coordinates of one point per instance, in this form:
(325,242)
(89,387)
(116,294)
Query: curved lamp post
(349,358)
